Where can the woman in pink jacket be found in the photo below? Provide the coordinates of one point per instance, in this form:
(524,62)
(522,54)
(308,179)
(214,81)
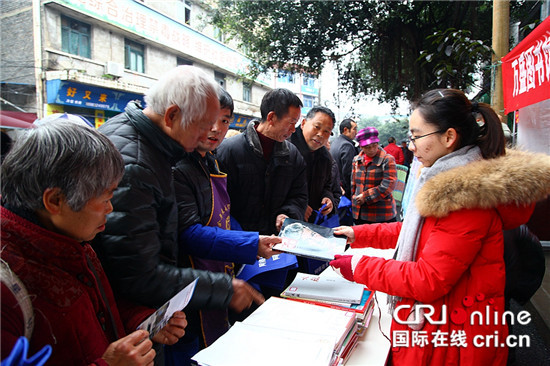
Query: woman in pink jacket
(447,279)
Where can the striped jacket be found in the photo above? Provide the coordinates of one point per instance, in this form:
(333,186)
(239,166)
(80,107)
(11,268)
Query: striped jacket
(377,179)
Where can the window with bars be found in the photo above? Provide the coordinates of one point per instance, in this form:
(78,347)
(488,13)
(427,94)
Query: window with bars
(75,37)
(308,80)
(308,101)
(247,92)
(184,61)
(183,11)
(285,76)
(134,56)
(187,6)
(220,78)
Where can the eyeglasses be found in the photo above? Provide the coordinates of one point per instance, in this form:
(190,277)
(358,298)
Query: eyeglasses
(412,139)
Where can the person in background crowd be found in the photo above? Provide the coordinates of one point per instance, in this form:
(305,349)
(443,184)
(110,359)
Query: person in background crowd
(343,151)
(407,154)
(395,151)
(310,138)
(336,187)
(204,222)
(139,248)
(450,244)
(374,177)
(266,175)
(57,185)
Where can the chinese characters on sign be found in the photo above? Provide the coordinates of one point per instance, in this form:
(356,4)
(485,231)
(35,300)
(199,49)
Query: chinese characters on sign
(139,19)
(526,70)
(88,96)
(240,121)
(532,67)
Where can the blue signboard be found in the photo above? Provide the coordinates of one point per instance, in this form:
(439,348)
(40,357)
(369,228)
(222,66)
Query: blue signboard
(240,121)
(88,96)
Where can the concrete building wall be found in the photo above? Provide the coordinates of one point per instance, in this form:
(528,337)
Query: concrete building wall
(108,45)
(16,51)
(51,28)
(158,61)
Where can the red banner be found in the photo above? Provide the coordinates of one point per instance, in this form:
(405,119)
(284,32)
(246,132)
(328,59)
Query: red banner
(526,70)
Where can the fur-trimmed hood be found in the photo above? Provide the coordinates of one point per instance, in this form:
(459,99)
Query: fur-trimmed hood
(519,177)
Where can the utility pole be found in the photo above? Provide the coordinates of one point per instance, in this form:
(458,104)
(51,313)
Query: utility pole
(501,35)
(37,43)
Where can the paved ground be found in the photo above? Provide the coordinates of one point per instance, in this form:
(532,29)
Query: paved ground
(538,353)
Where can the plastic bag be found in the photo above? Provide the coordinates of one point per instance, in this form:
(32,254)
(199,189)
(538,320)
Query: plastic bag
(18,355)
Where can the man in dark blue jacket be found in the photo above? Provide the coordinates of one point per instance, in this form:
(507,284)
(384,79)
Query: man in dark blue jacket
(266,175)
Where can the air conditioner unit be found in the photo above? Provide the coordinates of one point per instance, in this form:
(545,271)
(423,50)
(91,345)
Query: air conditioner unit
(114,69)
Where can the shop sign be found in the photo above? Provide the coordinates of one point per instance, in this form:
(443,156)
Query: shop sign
(240,122)
(88,96)
(526,70)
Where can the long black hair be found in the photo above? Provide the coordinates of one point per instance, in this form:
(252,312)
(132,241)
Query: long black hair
(450,108)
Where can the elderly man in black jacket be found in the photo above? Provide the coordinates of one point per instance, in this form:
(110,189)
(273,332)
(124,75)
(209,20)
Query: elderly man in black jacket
(266,175)
(139,248)
(310,138)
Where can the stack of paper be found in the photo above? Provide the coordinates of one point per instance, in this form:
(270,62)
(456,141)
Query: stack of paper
(303,334)
(285,314)
(349,345)
(334,292)
(315,287)
(251,345)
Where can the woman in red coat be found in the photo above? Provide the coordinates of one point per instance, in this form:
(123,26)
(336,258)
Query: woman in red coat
(447,279)
(57,184)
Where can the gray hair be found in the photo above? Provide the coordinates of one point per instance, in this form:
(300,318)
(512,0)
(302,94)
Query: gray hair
(78,160)
(186,86)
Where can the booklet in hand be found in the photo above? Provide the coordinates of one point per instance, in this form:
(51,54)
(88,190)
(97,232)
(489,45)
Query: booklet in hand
(154,323)
(309,240)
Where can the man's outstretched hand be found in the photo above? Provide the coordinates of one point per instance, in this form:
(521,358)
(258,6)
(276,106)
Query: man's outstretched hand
(243,296)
